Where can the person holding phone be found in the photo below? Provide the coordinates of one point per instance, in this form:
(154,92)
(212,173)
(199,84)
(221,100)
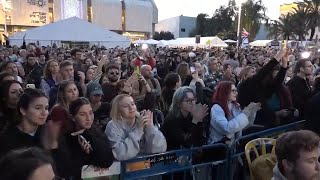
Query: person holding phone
(82,143)
(132,133)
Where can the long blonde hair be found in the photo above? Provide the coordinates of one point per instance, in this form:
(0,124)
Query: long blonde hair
(115,113)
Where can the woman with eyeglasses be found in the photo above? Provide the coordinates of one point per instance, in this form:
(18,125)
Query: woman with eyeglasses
(10,92)
(33,112)
(183,124)
(81,144)
(227,118)
(132,133)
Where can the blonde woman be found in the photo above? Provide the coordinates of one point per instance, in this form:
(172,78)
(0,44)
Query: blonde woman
(132,133)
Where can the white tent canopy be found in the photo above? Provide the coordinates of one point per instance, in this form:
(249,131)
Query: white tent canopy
(204,41)
(72,29)
(151,41)
(230,41)
(261,43)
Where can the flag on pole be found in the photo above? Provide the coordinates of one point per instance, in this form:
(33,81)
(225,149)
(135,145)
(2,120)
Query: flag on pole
(244,36)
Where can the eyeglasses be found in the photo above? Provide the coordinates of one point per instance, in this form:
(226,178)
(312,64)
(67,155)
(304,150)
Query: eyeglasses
(309,66)
(234,90)
(114,73)
(190,101)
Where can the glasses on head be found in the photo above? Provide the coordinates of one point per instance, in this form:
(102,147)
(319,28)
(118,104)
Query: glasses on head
(114,73)
(190,101)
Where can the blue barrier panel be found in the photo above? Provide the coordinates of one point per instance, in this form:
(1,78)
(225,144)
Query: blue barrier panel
(237,151)
(171,162)
(184,159)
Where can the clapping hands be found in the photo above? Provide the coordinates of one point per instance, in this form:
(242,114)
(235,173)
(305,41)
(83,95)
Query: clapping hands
(199,112)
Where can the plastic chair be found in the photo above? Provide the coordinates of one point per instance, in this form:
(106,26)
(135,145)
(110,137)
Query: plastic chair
(252,146)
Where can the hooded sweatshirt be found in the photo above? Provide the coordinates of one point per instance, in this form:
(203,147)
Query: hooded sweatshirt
(277,175)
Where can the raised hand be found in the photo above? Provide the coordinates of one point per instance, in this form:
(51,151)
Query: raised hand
(199,112)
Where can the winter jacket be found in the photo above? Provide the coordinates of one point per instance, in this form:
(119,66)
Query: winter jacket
(180,132)
(301,92)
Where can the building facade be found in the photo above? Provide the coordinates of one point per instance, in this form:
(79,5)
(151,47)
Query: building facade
(180,26)
(133,18)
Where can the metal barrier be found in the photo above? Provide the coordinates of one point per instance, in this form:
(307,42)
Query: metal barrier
(184,162)
(180,163)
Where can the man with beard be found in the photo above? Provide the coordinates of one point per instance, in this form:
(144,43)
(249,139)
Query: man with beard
(139,88)
(298,156)
(110,88)
(299,85)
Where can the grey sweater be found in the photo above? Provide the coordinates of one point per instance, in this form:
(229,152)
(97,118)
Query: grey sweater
(129,142)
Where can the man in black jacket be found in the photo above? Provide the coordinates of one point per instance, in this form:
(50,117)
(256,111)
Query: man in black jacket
(299,85)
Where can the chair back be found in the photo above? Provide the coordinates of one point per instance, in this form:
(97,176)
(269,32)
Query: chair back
(259,147)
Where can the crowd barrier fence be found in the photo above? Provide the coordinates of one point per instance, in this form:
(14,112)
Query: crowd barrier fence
(194,163)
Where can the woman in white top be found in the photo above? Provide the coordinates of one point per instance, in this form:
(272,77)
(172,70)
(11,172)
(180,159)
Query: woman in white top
(132,133)
(227,119)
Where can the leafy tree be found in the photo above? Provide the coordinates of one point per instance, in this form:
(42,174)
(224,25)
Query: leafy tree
(163,35)
(300,21)
(253,12)
(283,27)
(313,15)
(221,22)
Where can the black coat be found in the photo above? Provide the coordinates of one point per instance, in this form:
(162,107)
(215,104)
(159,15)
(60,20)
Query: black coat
(253,89)
(180,132)
(13,138)
(70,158)
(312,113)
(300,92)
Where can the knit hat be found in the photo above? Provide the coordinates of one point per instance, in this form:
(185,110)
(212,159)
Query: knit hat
(94,88)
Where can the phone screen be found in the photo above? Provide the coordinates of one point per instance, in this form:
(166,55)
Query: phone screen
(137,70)
(284,43)
(32,86)
(192,69)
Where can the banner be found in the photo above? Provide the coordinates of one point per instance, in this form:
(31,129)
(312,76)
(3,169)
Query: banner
(29,12)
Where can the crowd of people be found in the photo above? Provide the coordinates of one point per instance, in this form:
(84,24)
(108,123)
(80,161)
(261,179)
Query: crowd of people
(94,106)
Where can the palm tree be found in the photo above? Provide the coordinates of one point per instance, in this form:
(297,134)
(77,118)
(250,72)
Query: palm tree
(300,19)
(282,27)
(313,16)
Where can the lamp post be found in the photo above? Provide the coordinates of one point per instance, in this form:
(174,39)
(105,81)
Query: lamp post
(239,2)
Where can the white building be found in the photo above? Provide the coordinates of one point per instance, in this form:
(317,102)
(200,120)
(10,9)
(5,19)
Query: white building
(133,18)
(179,26)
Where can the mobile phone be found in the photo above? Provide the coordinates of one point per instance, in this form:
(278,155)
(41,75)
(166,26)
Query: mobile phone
(284,43)
(192,69)
(137,71)
(32,86)
(84,139)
